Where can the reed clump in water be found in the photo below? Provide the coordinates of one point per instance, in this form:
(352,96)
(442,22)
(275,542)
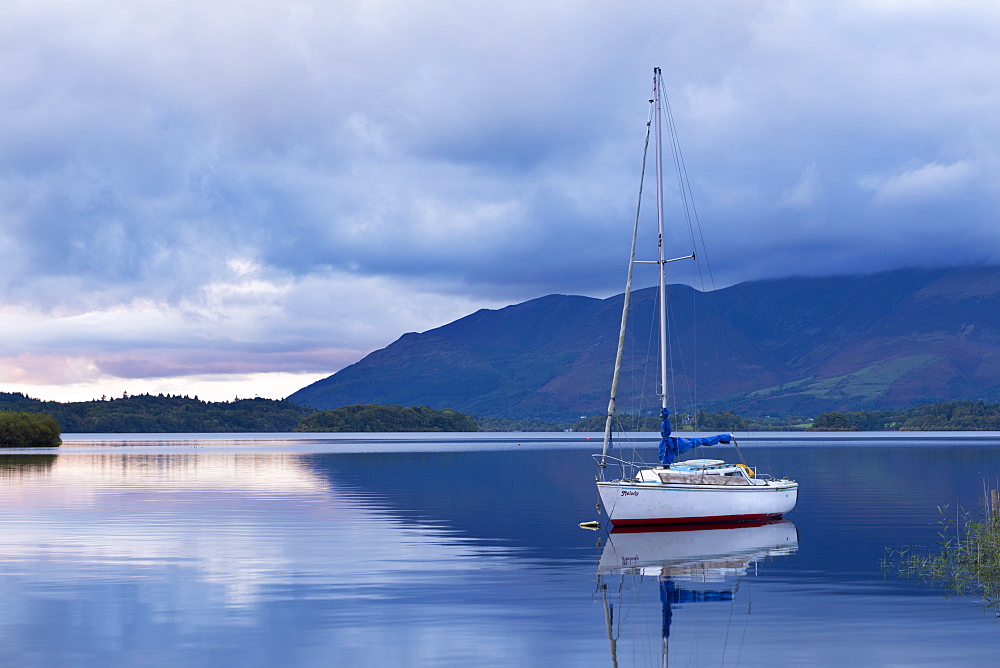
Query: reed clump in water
(968,559)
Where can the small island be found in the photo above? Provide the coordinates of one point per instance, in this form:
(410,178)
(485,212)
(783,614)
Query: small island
(20,429)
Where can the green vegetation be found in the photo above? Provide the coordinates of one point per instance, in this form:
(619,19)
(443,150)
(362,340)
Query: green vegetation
(779,423)
(967,560)
(833,421)
(375,418)
(724,421)
(864,385)
(166,414)
(954,415)
(147,413)
(19,429)
(944,416)
(859,421)
(701,421)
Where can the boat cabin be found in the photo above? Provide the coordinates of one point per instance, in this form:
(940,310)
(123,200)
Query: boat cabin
(699,471)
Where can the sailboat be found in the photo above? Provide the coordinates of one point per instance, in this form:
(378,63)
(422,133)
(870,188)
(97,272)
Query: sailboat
(679,492)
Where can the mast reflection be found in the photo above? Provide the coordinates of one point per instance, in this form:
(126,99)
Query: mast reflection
(692,563)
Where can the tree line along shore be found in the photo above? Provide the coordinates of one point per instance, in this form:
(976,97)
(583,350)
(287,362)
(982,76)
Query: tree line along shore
(176,414)
(25,420)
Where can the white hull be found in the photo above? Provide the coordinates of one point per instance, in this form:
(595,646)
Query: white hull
(637,503)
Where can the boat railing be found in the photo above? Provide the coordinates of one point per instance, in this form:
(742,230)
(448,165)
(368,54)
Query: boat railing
(632,467)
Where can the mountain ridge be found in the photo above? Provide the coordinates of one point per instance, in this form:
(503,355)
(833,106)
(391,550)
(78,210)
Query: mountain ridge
(782,346)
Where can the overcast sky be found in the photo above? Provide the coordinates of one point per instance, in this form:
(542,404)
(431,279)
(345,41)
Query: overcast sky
(240,197)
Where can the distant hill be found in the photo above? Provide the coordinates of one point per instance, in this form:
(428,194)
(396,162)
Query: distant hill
(785,346)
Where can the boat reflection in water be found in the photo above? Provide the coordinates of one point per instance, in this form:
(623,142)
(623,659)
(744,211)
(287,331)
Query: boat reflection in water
(693,563)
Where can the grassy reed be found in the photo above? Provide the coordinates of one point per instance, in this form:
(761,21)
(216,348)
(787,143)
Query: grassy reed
(966,560)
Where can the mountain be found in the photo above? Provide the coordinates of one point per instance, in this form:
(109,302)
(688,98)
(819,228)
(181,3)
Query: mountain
(782,346)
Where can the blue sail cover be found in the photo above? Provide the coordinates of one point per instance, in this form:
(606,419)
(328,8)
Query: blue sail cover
(672,447)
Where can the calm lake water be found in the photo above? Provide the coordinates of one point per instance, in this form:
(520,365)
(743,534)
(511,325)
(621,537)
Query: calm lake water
(418,550)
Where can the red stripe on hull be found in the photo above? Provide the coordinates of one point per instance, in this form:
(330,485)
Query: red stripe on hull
(694,520)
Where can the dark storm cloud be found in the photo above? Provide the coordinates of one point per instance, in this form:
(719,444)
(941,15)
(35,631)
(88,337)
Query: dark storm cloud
(322,164)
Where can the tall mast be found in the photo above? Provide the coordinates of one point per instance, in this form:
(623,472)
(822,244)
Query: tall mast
(625,304)
(662,260)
